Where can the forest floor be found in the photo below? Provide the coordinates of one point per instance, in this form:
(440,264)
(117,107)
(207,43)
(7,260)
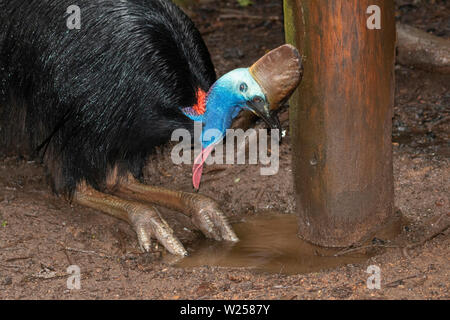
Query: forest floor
(41,234)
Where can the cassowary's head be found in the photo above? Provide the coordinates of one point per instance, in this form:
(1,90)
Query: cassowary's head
(235,91)
(261,89)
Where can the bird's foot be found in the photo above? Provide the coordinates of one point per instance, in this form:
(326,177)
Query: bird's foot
(149,225)
(145,219)
(204,212)
(207,216)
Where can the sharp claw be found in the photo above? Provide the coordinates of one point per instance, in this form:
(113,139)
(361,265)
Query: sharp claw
(228,233)
(170,242)
(148,225)
(213,223)
(144,239)
(208,226)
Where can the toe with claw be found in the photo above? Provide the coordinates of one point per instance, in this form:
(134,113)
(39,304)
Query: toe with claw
(149,224)
(207,217)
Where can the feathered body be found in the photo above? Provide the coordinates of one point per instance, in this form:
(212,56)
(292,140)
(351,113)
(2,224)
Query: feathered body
(100,97)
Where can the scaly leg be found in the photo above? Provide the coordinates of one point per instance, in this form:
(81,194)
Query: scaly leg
(203,211)
(145,219)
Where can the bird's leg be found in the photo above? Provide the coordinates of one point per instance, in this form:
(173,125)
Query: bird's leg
(145,219)
(203,211)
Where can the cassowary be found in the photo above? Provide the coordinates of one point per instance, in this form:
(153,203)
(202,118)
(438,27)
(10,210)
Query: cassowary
(95,102)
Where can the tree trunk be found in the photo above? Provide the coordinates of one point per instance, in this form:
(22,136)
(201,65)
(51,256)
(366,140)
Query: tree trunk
(341,119)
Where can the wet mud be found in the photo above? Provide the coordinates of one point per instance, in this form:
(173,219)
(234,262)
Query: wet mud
(268,243)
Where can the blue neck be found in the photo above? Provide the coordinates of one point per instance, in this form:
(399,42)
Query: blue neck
(222,106)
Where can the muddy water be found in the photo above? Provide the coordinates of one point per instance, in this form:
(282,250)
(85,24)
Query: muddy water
(268,243)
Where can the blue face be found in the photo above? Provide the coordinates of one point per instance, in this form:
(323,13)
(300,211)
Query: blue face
(230,94)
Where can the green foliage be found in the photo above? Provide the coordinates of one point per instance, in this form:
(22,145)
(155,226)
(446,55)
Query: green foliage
(245,3)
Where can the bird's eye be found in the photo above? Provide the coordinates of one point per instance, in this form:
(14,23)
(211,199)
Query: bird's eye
(243,87)
(257,99)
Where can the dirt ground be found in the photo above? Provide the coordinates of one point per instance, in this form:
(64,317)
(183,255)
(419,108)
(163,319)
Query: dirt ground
(41,234)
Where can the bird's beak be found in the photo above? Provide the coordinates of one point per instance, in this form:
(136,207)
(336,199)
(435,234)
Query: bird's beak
(278,73)
(262,110)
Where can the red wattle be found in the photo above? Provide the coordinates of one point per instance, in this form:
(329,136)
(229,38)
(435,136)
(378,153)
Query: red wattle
(200,107)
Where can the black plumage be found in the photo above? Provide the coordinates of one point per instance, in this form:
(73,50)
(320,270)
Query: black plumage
(103,96)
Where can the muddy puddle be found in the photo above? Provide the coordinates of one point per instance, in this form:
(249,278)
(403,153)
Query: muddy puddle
(268,243)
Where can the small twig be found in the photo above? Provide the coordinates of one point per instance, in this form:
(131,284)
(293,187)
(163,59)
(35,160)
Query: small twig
(67,256)
(216,168)
(441,217)
(372,246)
(10,266)
(34,216)
(439,122)
(403,248)
(398,282)
(429,238)
(18,258)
